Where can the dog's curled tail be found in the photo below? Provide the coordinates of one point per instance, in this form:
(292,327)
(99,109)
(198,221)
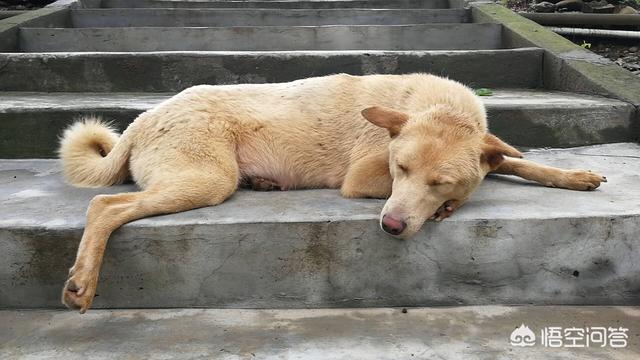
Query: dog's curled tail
(93,154)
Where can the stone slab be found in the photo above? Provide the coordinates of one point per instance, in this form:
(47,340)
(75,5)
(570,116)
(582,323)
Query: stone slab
(474,333)
(175,71)
(264,38)
(32,122)
(262,17)
(512,243)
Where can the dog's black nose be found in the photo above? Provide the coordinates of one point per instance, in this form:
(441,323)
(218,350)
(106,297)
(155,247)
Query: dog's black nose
(392,225)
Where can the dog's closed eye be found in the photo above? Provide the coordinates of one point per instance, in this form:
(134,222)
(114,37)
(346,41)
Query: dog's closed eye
(441,180)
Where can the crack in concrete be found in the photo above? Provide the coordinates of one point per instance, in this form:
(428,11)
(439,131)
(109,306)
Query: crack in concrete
(205,280)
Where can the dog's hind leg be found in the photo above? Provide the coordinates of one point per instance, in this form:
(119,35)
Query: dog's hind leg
(550,176)
(368,177)
(181,190)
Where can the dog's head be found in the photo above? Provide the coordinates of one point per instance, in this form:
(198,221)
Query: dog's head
(436,156)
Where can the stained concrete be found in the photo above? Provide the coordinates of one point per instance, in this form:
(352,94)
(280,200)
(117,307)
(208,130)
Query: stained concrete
(262,17)
(512,243)
(271,4)
(175,71)
(264,38)
(32,122)
(419,333)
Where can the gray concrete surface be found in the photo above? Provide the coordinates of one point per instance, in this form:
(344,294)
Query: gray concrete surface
(32,122)
(471,333)
(257,38)
(512,243)
(262,17)
(175,71)
(270,4)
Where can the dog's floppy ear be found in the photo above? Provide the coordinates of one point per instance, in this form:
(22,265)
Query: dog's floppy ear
(494,150)
(389,119)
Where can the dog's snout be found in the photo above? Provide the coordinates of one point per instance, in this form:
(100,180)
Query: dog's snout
(392,225)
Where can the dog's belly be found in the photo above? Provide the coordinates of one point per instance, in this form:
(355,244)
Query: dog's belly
(264,171)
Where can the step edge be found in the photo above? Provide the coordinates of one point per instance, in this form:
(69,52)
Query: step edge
(267,52)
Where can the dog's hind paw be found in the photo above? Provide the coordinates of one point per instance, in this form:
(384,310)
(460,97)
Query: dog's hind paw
(78,291)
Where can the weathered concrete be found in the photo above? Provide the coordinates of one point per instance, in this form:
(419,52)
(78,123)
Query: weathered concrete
(386,334)
(257,38)
(567,66)
(271,4)
(512,243)
(9,27)
(262,17)
(32,121)
(175,71)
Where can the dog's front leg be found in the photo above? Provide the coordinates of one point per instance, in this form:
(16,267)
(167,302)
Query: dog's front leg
(550,176)
(368,177)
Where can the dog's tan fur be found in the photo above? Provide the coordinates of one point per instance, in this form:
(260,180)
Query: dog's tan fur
(425,146)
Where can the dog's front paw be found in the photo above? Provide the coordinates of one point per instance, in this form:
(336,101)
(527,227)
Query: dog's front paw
(445,210)
(79,290)
(580,180)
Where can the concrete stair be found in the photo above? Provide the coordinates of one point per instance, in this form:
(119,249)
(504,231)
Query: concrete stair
(87,64)
(341,334)
(261,38)
(174,71)
(533,118)
(141,17)
(151,48)
(276,4)
(513,243)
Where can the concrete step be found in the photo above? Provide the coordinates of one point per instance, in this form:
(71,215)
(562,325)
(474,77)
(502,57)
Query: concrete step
(473,333)
(512,243)
(271,4)
(256,38)
(175,71)
(32,122)
(101,18)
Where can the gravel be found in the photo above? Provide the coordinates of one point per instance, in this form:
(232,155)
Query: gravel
(627,56)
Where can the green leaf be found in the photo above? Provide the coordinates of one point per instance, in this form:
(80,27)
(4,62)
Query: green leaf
(484,92)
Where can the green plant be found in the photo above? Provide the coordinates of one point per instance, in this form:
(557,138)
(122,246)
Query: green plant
(585,45)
